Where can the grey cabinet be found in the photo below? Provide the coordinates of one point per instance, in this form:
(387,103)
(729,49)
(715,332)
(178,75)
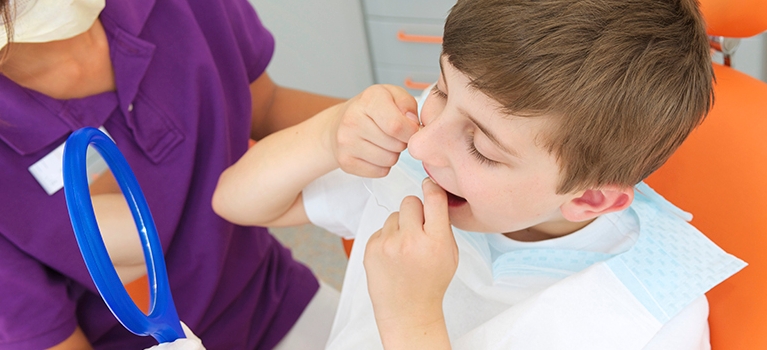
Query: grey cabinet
(404,38)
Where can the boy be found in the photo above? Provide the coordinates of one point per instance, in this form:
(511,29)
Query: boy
(545,117)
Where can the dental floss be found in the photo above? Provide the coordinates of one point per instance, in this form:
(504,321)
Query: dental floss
(364,183)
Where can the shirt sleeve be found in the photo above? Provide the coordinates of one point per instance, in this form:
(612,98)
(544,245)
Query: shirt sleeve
(688,330)
(255,42)
(38,311)
(335,202)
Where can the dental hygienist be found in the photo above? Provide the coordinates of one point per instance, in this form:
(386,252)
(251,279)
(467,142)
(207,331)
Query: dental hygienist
(181,87)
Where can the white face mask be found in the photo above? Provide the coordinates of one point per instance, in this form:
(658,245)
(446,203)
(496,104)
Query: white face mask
(37,21)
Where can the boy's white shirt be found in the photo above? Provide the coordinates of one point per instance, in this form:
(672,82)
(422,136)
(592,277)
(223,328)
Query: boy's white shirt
(486,309)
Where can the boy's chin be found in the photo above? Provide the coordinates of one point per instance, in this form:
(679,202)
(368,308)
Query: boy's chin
(461,222)
(470,227)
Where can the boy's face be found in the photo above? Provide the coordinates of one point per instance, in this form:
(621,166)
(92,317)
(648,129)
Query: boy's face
(498,176)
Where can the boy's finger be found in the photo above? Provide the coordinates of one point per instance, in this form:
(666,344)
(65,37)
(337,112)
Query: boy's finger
(404,100)
(411,213)
(374,154)
(434,207)
(381,139)
(391,114)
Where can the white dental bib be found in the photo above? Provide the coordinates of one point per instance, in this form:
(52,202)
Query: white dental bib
(592,300)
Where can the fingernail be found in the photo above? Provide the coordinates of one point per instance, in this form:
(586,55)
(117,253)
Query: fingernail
(413,117)
(427,179)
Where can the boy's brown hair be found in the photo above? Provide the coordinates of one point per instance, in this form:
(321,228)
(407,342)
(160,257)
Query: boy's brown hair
(625,80)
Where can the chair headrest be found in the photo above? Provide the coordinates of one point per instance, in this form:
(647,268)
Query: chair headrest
(735,19)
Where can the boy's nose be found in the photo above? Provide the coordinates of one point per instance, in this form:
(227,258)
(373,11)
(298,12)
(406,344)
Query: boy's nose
(429,145)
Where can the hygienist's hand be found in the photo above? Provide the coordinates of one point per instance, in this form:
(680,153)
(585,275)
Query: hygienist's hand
(191,342)
(371,129)
(409,264)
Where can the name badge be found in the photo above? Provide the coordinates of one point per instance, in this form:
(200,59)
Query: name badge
(48,171)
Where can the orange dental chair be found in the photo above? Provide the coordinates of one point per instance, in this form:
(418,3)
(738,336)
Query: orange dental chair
(719,174)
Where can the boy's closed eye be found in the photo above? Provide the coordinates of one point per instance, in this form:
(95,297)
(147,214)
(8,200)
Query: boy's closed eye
(470,144)
(482,159)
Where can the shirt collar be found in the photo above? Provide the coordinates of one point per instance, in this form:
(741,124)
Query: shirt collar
(123,21)
(130,16)
(30,121)
(26,124)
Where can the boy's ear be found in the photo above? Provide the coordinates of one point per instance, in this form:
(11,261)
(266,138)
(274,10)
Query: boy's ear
(594,202)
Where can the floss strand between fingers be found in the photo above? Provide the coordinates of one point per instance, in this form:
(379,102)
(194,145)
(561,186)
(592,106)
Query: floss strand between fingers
(364,183)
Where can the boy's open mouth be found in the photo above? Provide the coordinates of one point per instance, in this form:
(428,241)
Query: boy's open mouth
(453,200)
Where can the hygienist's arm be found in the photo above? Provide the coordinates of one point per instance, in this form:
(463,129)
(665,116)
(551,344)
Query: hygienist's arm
(117,227)
(76,341)
(275,107)
(121,238)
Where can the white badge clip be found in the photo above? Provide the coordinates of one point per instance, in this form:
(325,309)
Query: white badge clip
(48,171)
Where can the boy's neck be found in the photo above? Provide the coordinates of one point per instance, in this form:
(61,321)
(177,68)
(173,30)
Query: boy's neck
(547,230)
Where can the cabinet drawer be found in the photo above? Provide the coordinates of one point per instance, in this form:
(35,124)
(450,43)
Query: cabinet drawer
(413,79)
(393,42)
(423,9)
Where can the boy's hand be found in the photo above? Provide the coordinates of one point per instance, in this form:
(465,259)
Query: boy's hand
(371,129)
(410,263)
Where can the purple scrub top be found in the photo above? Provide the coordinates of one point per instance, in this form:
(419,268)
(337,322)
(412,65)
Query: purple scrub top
(180,115)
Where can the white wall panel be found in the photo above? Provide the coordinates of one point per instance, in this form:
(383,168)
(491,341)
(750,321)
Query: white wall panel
(321,45)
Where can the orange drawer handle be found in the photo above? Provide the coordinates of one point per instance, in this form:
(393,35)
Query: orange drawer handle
(413,38)
(415,85)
